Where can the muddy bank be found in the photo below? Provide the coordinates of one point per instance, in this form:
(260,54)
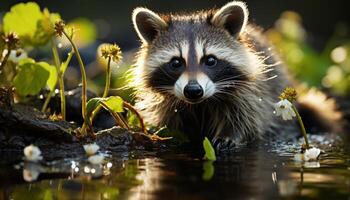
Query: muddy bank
(22,125)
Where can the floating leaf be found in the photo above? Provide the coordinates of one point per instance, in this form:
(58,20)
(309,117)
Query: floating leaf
(33,26)
(209,150)
(31,77)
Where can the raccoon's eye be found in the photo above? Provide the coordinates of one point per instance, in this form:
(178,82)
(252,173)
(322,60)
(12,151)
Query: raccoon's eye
(210,61)
(176,63)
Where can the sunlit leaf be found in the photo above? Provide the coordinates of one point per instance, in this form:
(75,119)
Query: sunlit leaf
(31,77)
(33,26)
(52,80)
(114,103)
(209,150)
(22,19)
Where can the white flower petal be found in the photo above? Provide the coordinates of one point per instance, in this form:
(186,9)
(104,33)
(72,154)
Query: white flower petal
(312,154)
(96,159)
(284,108)
(91,149)
(32,153)
(30,175)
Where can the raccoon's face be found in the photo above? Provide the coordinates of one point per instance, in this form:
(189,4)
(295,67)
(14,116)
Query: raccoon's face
(194,57)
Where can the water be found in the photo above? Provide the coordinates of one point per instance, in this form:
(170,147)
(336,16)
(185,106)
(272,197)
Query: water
(265,170)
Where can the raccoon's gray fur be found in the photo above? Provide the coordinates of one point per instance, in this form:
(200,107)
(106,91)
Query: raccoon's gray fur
(228,65)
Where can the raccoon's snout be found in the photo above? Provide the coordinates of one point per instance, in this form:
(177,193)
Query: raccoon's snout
(193,90)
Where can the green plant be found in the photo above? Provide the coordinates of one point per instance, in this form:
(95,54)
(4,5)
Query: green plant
(30,77)
(36,28)
(33,76)
(209,150)
(60,30)
(109,52)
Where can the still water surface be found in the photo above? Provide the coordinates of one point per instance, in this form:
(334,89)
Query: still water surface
(265,170)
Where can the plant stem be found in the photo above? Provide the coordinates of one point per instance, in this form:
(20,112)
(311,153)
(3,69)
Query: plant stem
(83,77)
(302,127)
(6,57)
(108,78)
(47,101)
(60,82)
(131,108)
(117,117)
(106,90)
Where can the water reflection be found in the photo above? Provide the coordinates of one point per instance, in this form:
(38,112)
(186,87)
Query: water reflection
(254,172)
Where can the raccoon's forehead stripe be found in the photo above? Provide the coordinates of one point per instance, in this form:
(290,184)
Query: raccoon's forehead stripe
(235,54)
(164,55)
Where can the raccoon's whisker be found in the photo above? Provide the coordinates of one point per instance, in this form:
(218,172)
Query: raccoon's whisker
(270,78)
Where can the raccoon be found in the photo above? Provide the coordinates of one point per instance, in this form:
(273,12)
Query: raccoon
(208,74)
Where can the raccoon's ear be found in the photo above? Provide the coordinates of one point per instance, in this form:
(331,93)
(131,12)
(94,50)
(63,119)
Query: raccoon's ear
(147,24)
(233,17)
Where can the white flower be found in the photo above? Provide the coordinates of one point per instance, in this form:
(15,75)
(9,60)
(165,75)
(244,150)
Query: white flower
(14,56)
(29,175)
(312,154)
(284,108)
(96,159)
(32,153)
(91,149)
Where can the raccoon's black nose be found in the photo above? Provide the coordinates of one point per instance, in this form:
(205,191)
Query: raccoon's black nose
(193,90)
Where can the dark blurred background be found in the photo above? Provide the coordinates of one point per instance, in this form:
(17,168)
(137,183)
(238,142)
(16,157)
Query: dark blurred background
(311,36)
(114,24)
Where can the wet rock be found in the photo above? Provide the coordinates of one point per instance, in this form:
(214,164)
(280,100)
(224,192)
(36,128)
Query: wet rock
(22,125)
(102,120)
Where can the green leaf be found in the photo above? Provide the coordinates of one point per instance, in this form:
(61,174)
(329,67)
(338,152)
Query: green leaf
(114,103)
(22,19)
(52,80)
(32,26)
(209,150)
(92,105)
(31,77)
(133,120)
